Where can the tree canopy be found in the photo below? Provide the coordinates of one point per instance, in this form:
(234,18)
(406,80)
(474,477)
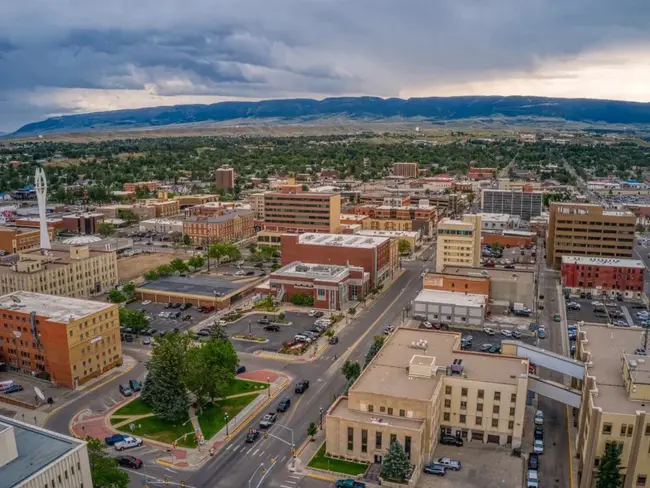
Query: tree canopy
(103,468)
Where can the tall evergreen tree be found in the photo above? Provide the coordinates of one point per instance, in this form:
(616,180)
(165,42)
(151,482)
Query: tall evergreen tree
(395,464)
(609,470)
(377,343)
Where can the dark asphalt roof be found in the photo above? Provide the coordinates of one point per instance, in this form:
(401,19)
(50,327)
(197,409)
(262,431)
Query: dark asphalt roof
(194,285)
(37,448)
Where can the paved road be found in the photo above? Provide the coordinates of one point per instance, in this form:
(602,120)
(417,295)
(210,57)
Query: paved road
(234,466)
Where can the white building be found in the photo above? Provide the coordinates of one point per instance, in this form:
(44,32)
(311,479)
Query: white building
(493,221)
(447,307)
(439,183)
(164,226)
(32,457)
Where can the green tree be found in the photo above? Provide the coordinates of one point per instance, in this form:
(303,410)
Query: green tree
(103,468)
(129,289)
(187,240)
(179,265)
(128,216)
(211,368)
(152,274)
(305,187)
(135,319)
(164,389)
(351,370)
(302,299)
(395,464)
(640,228)
(218,332)
(196,261)
(312,430)
(142,192)
(404,247)
(116,296)
(609,469)
(105,229)
(377,343)
(164,270)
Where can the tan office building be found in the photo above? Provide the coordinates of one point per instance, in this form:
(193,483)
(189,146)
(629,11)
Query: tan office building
(459,242)
(420,385)
(75,272)
(17,239)
(257,205)
(407,170)
(578,229)
(225,178)
(614,405)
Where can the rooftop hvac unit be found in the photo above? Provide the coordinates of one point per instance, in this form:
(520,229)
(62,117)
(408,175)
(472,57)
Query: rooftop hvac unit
(419,344)
(457,366)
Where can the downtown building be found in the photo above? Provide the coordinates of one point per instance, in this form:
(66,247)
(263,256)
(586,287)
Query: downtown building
(231,225)
(607,276)
(459,242)
(523,204)
(225,178)
(406,170)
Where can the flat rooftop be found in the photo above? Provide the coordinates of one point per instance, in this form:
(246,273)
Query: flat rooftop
(616,263)
(321,272)
(495,274)
(37,449)
(388,373)
(389,233)
(56,308)
(195,285)
(495,217)
(451,298)
(341,240)
(608,346)
(454,222)
(229,214)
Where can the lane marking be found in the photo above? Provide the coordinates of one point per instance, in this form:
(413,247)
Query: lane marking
(255,451)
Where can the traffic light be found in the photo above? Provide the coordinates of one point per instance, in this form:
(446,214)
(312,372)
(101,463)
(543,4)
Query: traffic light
(266,435)
(293,451)
(250,431)
(182,484)
(184,437)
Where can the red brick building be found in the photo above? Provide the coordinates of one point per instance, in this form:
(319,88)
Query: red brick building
(331,287)
(83,223)
(152,186)
(231,226)
(481,173)
(603,275)
(373,254)
(225,178)
(407,170)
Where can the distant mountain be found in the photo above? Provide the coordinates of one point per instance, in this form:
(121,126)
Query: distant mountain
(368,108)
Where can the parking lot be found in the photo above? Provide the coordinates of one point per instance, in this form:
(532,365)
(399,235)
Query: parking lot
(167,324)
(28,395)
(483,465)
(299,323)
(602,311)
(512,256)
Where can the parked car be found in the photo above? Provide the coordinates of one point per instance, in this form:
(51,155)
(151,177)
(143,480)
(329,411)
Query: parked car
(621,323)
(541,333)
(204,333)
(185,306)
(135,385)
(539,432)
(448,463)
(268,420)
(187,317)
(539,418)
(334,340)
(264,321)
(533,461)
(176,305)
(435,469)
(350,484)
(319,314)
(114,439)
(240,369)
(284,405)
(450,440)
(489,331)
(129,462)
(146,341)
(253,435)
(168,305)
(249,273)
(128,443)
(532,481)
(302,338)
(506,333)
(516,334)
(302,386)
(538,446)
(495,349)
(272,327)
(573,306)
(12,389)
(485,347)
(125,390)
(146,302)
(312,313)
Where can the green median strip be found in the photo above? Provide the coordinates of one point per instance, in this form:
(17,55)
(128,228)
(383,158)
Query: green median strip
(321,461)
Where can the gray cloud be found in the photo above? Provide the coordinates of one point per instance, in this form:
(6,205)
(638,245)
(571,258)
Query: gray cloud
(262,48)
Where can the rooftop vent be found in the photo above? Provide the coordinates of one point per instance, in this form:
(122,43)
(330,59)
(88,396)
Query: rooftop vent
(457,367)
(419,344)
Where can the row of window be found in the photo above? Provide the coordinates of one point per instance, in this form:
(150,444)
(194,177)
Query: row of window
(379,437)
(462,419)
(496,409)
(65,474)
(480,393)
(626,429)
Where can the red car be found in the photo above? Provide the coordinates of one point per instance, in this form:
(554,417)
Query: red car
(208,309)
(129,462)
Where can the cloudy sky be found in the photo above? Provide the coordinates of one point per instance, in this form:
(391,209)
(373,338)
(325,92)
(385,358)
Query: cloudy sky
(73,56)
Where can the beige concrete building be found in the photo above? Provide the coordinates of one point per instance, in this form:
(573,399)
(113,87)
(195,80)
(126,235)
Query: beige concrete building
(407,170)
(614,405)
(164,226)
(32,457)
(257,205)
(420,385)
(75,272)
(459,242)
(581,229)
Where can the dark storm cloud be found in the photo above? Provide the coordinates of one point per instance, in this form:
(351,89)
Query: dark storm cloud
(273,48)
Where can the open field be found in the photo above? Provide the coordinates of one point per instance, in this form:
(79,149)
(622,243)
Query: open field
(133,267)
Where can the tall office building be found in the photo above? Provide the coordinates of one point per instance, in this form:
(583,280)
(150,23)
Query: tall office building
(576,229)
(225,178)
(407,170)
(524,204)
(459,242)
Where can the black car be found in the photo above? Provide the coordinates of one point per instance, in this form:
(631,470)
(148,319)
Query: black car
(253,435)
(284,405)
(250,273)
(187,317)
(450,440)
(176,305)
(539,433)
(240,369)
(334,340)
(129,462)
(204,333)
(169,305)
(128,338)
(319,314)
(185,306)
(272,327)
(135,385)
(533,461)
(302,386)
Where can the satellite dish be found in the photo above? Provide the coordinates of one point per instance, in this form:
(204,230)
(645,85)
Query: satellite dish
(39,393)
(14,299)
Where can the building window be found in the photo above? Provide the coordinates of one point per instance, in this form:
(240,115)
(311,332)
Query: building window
(629,430)
(623,430)
(479,420)
(447,403)
(364,440)
(350,438)
(371,408)
(607,429)
(596,462)
(513,397)
(447,390)
(378,440)
(495,409)
(495,423)
(407,446)
(321,293)
(390,411)
(402,413)
(512,411)
(463,405)
(463,392)
(382,409)
(511,424)
(640,480)
(647,429)
(446,416)
(479,407)
(462,419)
(481,393)
(393,438)
(497,396)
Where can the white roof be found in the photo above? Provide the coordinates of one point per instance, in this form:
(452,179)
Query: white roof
(80,240)
(592,261)
(321,272)
(451,298)
(162,221)
(390,233)
(58,309)
(341,240)
(495,217)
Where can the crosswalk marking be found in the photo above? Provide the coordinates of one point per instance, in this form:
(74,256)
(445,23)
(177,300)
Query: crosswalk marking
(284,486)
(228,447)
(293,475)
(255,452)
(249,451)
(283,458)
(235,449)
(289,481)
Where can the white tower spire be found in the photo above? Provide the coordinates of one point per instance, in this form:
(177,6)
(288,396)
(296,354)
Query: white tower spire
(41,195)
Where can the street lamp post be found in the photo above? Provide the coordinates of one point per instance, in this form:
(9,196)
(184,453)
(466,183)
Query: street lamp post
(226,418)
(268,380)
(320,411)
(250,331)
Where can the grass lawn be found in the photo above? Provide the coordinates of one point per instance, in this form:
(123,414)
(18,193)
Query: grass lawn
(244,386)
(163,431)
(136,407)
(320,461)
(212,418)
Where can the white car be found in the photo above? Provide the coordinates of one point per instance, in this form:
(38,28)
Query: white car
(489,331)
(312,313)
(506,333)
(128,443)
(538,446)
(427,325)
(539,417)
(302,338)
(326,322)
(241,272)
(146,302)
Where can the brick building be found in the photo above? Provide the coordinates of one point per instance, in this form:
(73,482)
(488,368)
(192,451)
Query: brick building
(65,340)
(476,173)
(83,223)
(231,226)
(479,285)
(150,185)
(188,200)
(376,255)
(35,222)
(211,209)
(15,239)
(598,275)
(407,170)
(330,286)
(225,178)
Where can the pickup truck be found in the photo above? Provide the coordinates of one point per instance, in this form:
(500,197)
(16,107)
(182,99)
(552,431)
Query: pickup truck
(448,463)
(268,420)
